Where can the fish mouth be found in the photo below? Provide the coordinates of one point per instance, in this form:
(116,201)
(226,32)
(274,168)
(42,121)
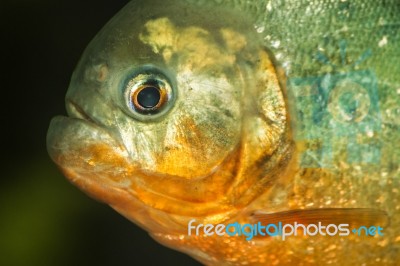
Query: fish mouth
(74,110)
(79,128)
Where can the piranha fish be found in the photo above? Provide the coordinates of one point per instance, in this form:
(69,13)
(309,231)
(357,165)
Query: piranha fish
(183,113)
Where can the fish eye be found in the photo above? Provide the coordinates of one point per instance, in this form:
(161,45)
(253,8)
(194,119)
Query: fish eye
(149,94)
(148,97)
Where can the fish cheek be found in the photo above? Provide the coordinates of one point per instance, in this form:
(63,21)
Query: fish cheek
(235,66)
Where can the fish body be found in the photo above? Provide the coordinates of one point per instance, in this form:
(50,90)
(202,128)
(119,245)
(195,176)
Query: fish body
(224,112)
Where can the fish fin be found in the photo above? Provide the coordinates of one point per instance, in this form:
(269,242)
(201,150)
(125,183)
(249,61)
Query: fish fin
(355,217)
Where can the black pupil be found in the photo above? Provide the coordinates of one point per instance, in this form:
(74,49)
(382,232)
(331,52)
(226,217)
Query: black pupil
(149,97)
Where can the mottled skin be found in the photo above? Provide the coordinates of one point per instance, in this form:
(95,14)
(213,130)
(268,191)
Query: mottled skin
(224,148)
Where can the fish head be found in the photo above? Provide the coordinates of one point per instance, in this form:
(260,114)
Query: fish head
(173,115)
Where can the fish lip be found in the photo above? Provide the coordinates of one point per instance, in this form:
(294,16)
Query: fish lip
(74,110)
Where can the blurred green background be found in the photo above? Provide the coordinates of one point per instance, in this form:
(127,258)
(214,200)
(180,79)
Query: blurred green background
(44,220)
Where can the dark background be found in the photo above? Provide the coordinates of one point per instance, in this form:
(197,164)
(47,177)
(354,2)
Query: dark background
(44,220)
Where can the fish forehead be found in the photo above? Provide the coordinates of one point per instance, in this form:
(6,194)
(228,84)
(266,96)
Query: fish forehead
(122,31)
